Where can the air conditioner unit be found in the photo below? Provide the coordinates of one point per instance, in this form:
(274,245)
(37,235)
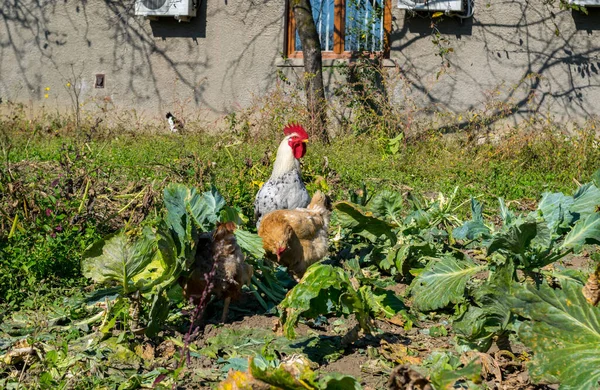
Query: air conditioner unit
(182,10)
(586,3)
(432,5)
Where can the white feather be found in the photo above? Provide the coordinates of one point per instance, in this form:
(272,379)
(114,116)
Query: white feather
(285,160)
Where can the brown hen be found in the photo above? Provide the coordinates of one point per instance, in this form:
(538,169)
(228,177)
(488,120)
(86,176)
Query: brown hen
(231,272)
(297,238)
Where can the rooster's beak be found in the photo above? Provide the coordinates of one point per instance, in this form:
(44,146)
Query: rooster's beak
(305,141)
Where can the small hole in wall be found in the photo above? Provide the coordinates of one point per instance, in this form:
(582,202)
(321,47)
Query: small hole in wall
(99,81)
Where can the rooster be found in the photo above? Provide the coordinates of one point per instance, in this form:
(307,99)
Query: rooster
(285,188)
(220,250)
(297,238)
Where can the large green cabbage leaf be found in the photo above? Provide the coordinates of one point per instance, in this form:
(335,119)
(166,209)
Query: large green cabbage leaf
(363,223)
(442,282)
(563,330)
(118,259)
(585,201)
(585,231)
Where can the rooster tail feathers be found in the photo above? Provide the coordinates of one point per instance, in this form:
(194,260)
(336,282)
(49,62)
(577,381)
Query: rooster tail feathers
(320,201)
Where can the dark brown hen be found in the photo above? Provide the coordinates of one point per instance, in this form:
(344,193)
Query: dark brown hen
(218,249)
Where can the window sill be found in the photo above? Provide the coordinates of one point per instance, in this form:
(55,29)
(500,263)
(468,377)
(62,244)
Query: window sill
(327,62)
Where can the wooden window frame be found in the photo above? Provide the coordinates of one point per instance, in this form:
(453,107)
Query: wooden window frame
(339,24)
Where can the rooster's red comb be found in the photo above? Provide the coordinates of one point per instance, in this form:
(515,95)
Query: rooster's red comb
(295,128)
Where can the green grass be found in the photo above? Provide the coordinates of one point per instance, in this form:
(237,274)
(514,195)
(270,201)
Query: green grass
(515,169)
(51,173)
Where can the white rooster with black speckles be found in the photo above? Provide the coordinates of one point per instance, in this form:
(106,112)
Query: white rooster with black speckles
(285,188)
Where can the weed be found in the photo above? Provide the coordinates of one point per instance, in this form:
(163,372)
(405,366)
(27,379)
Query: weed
(62,190)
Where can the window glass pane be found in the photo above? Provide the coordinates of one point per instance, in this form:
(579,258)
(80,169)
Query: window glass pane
(364,25)
(323,16)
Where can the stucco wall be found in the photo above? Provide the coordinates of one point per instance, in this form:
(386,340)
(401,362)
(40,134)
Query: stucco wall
(509,52)
(212,65)
(525,55)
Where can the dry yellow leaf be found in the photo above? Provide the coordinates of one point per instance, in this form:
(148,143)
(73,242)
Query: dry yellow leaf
(398,353)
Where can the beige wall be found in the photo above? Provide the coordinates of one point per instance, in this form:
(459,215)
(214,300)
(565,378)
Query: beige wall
(212,65)
(219,61)
(498,55)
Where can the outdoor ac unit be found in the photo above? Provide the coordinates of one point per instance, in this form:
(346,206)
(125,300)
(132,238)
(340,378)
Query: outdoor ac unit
(586,3)
(432,5)
(180,9)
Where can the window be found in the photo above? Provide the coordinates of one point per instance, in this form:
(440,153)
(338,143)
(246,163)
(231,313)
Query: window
(345,27)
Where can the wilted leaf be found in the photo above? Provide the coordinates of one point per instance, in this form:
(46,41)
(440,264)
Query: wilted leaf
(363,223)
(443,281)
(323,289)
(120,357)
(238,380)
(381,302)
(247,341)
(584,232)
(591,290)
(399,353)
(564,334)
(144,351)
(438,331)
(294,373)
(403,377)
